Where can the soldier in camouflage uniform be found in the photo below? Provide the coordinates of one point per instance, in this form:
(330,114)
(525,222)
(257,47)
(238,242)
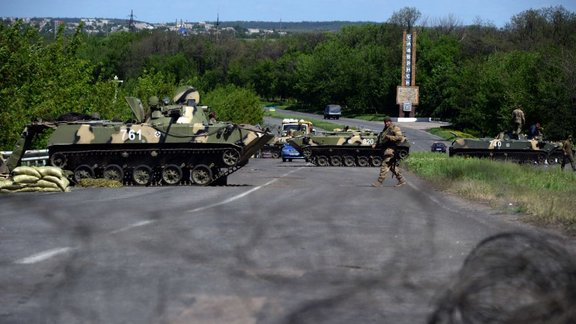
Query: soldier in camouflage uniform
(568,148)
(392,133)
(518,120)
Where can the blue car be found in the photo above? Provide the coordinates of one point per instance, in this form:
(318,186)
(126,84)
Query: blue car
(289,153)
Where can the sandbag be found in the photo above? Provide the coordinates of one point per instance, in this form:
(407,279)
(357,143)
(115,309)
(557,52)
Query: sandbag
(47,184)
(41,179)
(13,186)
(5,182)
(37,189)
(50,171)
(25,178)
(63,183)
(26,170)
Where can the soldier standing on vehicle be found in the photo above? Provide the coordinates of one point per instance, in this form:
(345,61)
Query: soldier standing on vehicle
(390,133)
(535,132)
(518,120)
(154,107)
(568,149)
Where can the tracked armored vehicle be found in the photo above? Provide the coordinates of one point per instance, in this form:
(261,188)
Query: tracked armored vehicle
(508,148)
(172,145)
(346,148)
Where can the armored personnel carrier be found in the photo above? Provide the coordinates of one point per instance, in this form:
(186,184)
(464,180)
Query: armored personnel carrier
(346,148)
(507,147)
(171,145)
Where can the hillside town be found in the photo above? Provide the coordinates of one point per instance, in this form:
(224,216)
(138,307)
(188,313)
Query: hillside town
(48,25)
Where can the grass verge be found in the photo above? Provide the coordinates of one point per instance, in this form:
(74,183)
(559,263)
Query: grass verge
(542,195)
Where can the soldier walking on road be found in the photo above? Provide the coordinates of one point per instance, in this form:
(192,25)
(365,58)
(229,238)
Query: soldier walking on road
(390,133)
(568,148)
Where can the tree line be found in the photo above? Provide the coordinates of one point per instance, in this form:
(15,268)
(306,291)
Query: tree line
(472,76)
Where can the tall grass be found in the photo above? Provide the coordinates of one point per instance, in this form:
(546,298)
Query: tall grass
(544,194)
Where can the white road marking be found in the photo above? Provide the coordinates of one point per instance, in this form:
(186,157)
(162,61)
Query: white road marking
(43,255)
(131,226)
(244,194)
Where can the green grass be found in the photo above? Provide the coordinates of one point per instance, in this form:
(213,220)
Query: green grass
(449,134)
(541,195)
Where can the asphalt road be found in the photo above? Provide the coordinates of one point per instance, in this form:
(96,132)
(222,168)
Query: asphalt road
(282,243)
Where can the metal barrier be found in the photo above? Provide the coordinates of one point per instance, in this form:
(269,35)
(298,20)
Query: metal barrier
(31,157)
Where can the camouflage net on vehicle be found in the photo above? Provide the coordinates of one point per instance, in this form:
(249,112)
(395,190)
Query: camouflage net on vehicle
(31,179)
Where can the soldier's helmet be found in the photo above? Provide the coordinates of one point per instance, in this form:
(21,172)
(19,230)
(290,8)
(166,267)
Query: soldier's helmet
(153,101)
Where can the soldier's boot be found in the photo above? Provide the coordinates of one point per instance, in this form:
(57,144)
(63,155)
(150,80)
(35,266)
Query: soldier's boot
(377,183)
(401,181)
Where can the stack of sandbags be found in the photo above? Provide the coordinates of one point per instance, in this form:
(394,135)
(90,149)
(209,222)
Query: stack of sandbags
(42,178)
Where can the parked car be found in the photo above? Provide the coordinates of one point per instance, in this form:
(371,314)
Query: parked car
(270,108)
(289,153)
(332,112)
(438,147)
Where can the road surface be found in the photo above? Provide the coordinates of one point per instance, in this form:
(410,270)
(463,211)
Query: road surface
(282,243)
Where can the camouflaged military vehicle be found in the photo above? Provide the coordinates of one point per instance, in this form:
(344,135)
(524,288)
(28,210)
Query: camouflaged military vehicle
(346,148)
(289,128)
(170,145)
(508,148)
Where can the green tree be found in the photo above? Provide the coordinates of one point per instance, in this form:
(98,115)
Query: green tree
(235,104)
(437,73)
(42,80)
(405,17)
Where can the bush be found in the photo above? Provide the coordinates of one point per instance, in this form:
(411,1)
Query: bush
(234,104)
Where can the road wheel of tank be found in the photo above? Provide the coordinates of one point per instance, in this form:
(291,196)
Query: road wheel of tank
(275,155)
(83,171)
(58,160)
(312,160)
(402,154)
(322,161)
(306,152)
(348,161)
(554,158)
(171,174)
(142,175)
(231,157)
(541,159)
(363,161)
(113,172)
(201,175)
(376,161)
(336,160)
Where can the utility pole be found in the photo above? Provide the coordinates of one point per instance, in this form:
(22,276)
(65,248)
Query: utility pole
(117,83)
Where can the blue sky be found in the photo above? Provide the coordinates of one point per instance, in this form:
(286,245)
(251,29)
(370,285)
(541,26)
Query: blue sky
(497,12)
